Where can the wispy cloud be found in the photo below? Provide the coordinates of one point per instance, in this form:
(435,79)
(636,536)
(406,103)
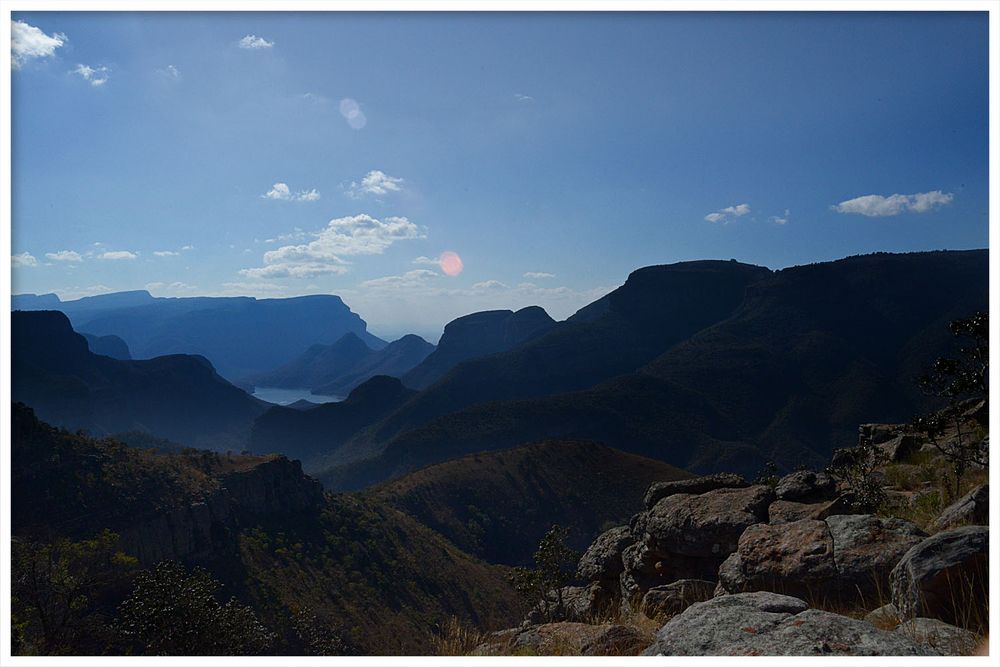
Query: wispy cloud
(352,113)
(724,215)
(165,253)
(523,98)
(253,42)
(417,278)
(28,42)
(97,76)
(352,235)
(170,72)
(64,256)
(24,259)
(781,219)
(375,182)
(281,192)
(176,286)
(119,254)
(878,206)
(539,275)
(426,261)
(188,247)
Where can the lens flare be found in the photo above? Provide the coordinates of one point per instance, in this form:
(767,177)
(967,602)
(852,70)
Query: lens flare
(450,263)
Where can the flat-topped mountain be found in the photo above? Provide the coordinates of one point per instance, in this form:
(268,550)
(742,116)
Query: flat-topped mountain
(240,335)
(807,354)
(179,397)
(477,335)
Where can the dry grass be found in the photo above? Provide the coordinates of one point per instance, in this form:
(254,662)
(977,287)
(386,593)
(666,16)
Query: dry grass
(456,639)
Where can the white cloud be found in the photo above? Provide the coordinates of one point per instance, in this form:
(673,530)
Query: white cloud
(188,247)
(119,254)
(165,253)
(352,113)
(877,206)
(28,42)
(490,285)
(416,278)
(724,215)
(97,76)
(375,182)
(780,220)
(64,256)
(254,42)
(23,260)
(539,275)
(176,286)
(426,261)
(295,270)
(523,98)
(281,192)
(76,292)
(170,72)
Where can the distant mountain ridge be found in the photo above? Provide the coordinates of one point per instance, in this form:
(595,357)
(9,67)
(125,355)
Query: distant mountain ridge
(271,332)
(335,370)
(807,354)
(179,397)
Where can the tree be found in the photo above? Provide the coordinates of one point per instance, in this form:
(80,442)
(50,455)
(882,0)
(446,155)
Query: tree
(61,593)
(959,380)
(175,612)
(554,564)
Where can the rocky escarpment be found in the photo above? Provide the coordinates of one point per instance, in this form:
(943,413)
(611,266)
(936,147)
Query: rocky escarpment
(203,528)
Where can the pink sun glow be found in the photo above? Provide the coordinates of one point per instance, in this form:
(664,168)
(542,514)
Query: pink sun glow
(450,263)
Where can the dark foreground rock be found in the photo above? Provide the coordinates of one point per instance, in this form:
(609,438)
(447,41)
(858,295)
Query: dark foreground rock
(567,639)
(770,624)
(603,559)
(945,577)
(660,490)
(971,509)
(662,602)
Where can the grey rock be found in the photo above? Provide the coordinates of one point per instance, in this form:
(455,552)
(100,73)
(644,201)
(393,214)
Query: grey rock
(786,511)
(885,617)
(603,558)
(769,624)
(566,638)
(660,490)
(866,548)
(806,486)
(902,446)
(972,508)
(662,602)
(944,576)
(945,639)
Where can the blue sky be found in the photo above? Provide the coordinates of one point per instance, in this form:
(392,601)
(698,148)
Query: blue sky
(282,154)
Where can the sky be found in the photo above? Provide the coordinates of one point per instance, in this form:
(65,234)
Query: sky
(546,155)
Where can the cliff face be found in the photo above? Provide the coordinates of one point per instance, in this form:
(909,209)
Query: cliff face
(204,528)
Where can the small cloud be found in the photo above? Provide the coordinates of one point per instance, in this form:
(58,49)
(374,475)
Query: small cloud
(877,206)
(253,42)
(539,275)
(780,220)
(28,42)
(253,289)
(97,76)
(409,280)
(375,182)
(165,253)
(489,285)
(352,113)
(119,254)
(426,261)
(724,215)
(281,192)
(64,256)
(315,98)
(23,260)
(523,98)
(188,247)
(170,72)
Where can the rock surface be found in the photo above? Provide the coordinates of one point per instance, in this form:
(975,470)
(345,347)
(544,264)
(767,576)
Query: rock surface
(769,624)
(944,638)
(602,560)
(972,508)
(944,576)
(806,486)
(660,490)
(662,602)
(567,639)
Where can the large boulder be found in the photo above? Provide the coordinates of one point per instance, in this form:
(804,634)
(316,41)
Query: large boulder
(971,509)
(786,511)
(765,623)
(662,602)
(806,486)
(945,577)
(660,490)
(567,639)
(602,561)
(842,558)
(571,603)
(944,638)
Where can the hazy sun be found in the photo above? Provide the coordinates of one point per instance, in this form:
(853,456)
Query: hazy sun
(450,263)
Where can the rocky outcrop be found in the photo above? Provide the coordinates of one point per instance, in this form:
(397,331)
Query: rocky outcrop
(786,511)
(945,577)
(660,490)
(971,509)
(602,561)
(806,486)
(201,529)
(845,557)
(662,602)
(770,624)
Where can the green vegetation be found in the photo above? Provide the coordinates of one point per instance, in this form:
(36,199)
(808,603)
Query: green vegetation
(554,565)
